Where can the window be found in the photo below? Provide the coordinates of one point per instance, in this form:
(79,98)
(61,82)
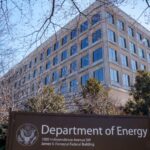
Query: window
(139,36)
(84,26)
(85,61)
(47,80)
(56,46)
(41,70)
(95,18)
(48,64)
(141,53)
(130,32)
(73,49)
(84,79)
(64,71)
(97,35)
(64,40)
(84,43)
(122,42)
(124,60)
(97,54)
(73,33)
(55,60)
(143,67)
(55,76)
(134,65)
(34,73)
(73,85)
(29,76)
(110,18)
(99,75)
(64,88)
(112,55)
(32,88)
(41,56)
(114,75)
(35,60)
(64,55)
(148,57)
(126,80)
(147,42)
(30,64)
(73,66)
(48,52)
(111,36)
(132,48)
(121,25)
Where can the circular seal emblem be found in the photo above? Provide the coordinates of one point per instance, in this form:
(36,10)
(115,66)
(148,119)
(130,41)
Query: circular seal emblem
(27,134)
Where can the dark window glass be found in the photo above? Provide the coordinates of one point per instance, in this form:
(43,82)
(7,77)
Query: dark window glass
(47,80)
(121,25)
(64,88)
(48,64)
(63,71)
(55,60)
(34,73)
(126,80)
(48,52)
(132,48)
(113,55)
(122,42)
(130,32)
(95,18)
(35,60)
(97,54)
(41,70)
(84,79)
(110,18)
(73,66)
(124,60)
(99,75)
(85,61)
(97,35)
(84,43)
(64,40)
(55,76)
(56,46)
(114,74)
(41,56)
(73,33)
(84,26)
(64,55)
(73,85)
(30,64)
(111,36)
(73,49)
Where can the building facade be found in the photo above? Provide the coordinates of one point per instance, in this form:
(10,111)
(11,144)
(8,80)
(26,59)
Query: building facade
(105,44)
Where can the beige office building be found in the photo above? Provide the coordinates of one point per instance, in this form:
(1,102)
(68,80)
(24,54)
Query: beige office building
(107,45)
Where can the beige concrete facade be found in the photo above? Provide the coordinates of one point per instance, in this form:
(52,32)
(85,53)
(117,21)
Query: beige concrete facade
(114,72)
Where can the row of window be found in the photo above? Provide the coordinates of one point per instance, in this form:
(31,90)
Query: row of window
(130,30)
(121,40)
(97,35)
(97,55)
(97,74)
(84,62)
(114,76)
(113,57)
(123,44)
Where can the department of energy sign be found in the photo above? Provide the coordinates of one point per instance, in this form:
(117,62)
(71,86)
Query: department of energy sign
(36,131)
